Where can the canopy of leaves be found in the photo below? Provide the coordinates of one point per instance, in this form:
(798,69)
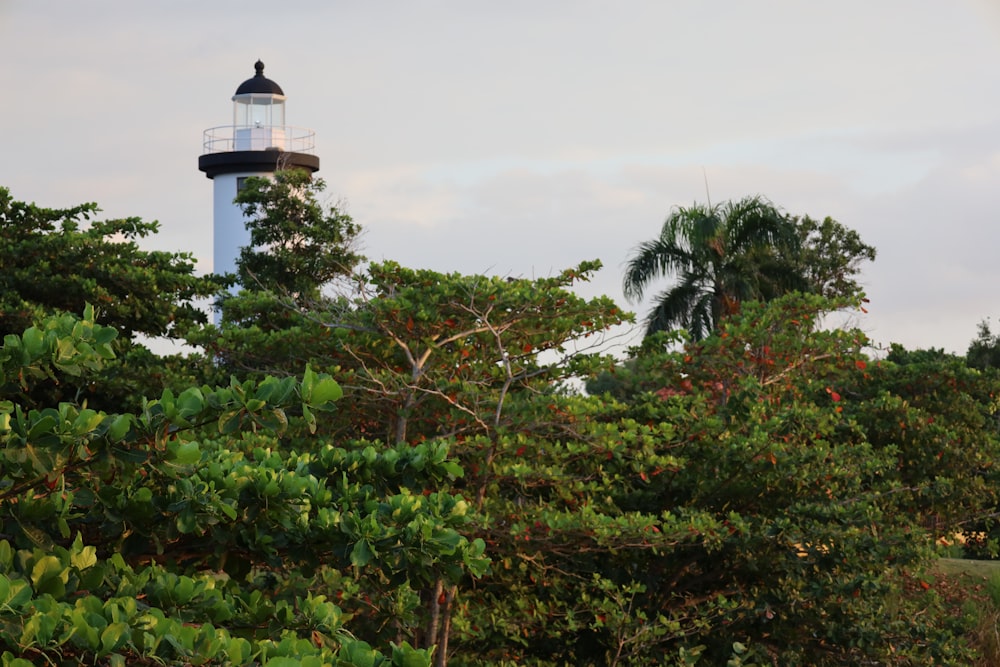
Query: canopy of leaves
(721,255)
(188,533)
(769,494)
(423,354)
(56,260)
(296,244)
(806,471)
(984,350)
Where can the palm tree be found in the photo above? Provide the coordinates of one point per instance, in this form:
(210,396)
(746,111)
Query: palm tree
(719,256)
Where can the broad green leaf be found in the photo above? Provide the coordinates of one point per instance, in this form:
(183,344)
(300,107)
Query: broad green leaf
(86,557)
(359,654)
(34,341)
(45,567)
(19,593)
(8,660)
(229,422)
(361,554)
(308,382)
(114,636)
(187,453)
(119,427)
(326,390)
(87,421)
(228,510)
(282,662)
(186,521)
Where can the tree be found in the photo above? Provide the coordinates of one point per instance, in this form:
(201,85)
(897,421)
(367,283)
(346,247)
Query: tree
(802,508)
(984,350)
(296,244)
(297,248)
(942,418)
(58,260)
(188,532)
(721,254)
(829,257)
(726,254)
(739,503)
(427,358)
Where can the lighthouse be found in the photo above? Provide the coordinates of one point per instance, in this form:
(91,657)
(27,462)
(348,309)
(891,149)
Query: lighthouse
(257,143)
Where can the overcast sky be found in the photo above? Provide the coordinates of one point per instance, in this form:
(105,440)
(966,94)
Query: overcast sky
(521,137)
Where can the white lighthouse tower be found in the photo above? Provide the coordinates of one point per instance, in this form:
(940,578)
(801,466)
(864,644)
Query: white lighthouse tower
(257,143)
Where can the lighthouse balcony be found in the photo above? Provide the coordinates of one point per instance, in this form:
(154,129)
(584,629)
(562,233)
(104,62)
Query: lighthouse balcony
(231,138)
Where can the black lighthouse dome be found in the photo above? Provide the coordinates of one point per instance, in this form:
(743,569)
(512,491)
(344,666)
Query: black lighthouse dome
(259,83)
(258,142)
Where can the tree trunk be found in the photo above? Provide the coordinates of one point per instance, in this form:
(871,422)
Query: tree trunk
(441,659)
(435,607)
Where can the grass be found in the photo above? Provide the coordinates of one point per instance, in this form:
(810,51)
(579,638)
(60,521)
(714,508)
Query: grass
(969,570)
(971,588)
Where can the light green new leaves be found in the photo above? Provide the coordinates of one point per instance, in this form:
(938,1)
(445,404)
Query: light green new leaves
(64,344)
(318,391)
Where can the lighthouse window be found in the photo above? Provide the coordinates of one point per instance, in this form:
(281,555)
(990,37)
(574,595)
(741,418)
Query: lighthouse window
(241,182)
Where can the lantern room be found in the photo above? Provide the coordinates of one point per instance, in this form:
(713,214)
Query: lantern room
(259,114)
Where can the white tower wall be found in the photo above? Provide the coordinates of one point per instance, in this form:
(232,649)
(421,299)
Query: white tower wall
(229,224)
(255,144)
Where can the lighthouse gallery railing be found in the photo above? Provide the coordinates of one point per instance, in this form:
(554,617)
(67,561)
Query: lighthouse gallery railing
(230,138)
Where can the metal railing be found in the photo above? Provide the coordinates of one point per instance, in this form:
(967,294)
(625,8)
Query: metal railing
(229,138)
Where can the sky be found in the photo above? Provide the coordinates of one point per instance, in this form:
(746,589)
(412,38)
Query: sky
(520,138)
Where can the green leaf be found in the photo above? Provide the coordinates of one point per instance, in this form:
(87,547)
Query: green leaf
(237,649)
(282,662)
(228,510)
(229,422)
(114,636)
(37,536)
(87,421)
(325,391)
(310,418)
(34,341)
(190,402)
(86,557)
(13,593)
(45,567)
(308,381)
(358,654)
(44,425)
(9,660)
(187,453)
(6,556)
(186,521)
(119,427)
(361,554)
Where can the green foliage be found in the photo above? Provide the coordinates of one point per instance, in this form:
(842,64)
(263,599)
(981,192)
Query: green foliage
(425,358)
(760,495)
(187,533)
(984,350)
(829,257)
(723,255)
(940,417)
(422,354)
(296,246)
(56,260)
(738,513)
